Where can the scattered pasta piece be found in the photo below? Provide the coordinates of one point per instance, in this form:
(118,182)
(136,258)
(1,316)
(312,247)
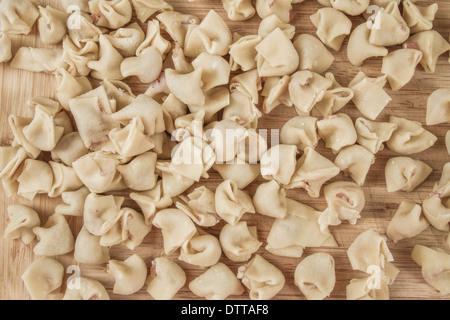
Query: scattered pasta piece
(165,279)
(438,105)
(82,288)
(129,275)
(407,222)
(22,220)
(201,250)
(43,276)
(239,241)
(54,238)
(403,173)
(5,47)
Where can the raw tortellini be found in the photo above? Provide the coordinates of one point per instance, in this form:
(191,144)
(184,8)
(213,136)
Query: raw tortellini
(438,106)
(82,288)
(129,275)
(22,220)
(238,10)
(403,173)
(165,279)
(407,222)
(332,27)
(18,17)
(239,241)
(54,238)
(232,203)
(5,47)
(42,277)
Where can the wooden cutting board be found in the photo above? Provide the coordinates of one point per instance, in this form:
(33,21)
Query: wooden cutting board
(17,87)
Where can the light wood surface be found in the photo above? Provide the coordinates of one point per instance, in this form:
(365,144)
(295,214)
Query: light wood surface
(19,86)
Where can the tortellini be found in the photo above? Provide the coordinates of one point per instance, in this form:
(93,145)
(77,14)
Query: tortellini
(232,203)
(332,27)
(403,173)
(279,163)
(22,220)
(152,201)
(239,241)
(315,276)
(368,289)
(36,178)
(335,98)
(238,10)
(38,59)
(314,56)
(139,173)
(200,206)
(243,53)
(146,8)
(165,279)
(400,65)
(438,107)
(372,134)
(201,250)
(52,25)
(300,131)
(88,249)
(217,283)
(262,278)
(18,17)
(275,93)
(111,14)
(355,161)
(351,7)
(337,131)
(5,47)
(42,277)
(129,275)
(54,238)
(82,288)
(407,222)
(437,212)
(360,49)
(107,67)
(419,18)
(270,23)
(282,9)
(270,200)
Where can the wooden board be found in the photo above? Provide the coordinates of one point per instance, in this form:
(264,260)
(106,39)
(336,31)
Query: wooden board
(19,86)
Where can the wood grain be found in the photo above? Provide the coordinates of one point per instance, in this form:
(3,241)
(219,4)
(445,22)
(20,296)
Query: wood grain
(19,86)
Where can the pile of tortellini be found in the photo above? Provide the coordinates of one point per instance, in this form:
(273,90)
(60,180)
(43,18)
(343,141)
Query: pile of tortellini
(104,141)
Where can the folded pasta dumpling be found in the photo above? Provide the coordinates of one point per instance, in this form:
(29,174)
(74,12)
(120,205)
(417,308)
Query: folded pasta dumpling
(152,201)
(52,25)
(372,134)
(42,277)
(177,228)
(270,200)
(311,172)
(186,87)
(129,275)
(81,28)
(22,220)
(351,7)
(314,56)
(240,172)
(131,141)
(127,39)
(419,18)
(173,184)
(275,93)
(17,124)
(278,60)
(212,35)
(107,67)
(410,137)
(281,8)
(300,131)
(231,202)
(262,278)
(360,49)
(369,249)
(332,27)
(146,8)
(399,66)
(435,263)
(73,202)
(249,83)
(178,24)
(225,137)
(201,250)
(165,279)
(404,173)
(5,47)
(111,14)
(365,289)
(407,222)
(82,288)
(54,238)
(355,161)
(81,4)
(252,148)
(217,283)
(288,237)
(335,98)
(438,107)
(77,56)
(315,276)
(278,163)
(139,174)
(69,87)
(239,241)
(243,53)
(306,89)
(238,10)
(437,212)
(36,178)
(441,189)
(69,148)
(389,27)
(337,131)
(369,96)
(215,70)
(18,17)
(432,44)
(147,66)
(101,213)
(119,92)
(271,22)
(88,249)
(38,59)
(242,110)
(199,205)
(64,179)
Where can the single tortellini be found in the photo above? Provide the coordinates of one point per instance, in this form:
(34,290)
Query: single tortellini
(215,70)
(441,189)
(82,288)
(337,131)
(201,250)
(389,28)
(278,60)
(249,83)
(70,87)
(275,93)
(360,49)
(438,106)
(300,131)
(64,179)
(240,172)
(120,92)
(139,173)
(410,137)
(186,87)
(18,17)
(332,27)
(355,161)
(262,278)
(54,238)
(101,213)
(370,98)
(242,110)
(199,205)
(399,66)
(372,134)
(212,35)
(173,183)
(225,137)
(432,44)
(351,7)
(22,220)
(165,279)
(129,275)
(419,18)
(111,14)
(146,8)
(42,277)
(88,249)
(314,56)
(368,289)
(107,67)
(52,25)
(11,159)
(177,228)
(270,200)
(407,222)
(311,172)
(38,59)
(82,29)
(281,8)
(335,98)
(231,202)
(239,241)
(238,10)
(270,23)
(146,66)
(306,89)
(435,263)
(404,173)
(369,250)
(217,283)
(243,53)
(288,237)
(5,47)
(315,276)
(36,178)
(178,24)
(437,212)
(279,162)
(77,56)
(16,124)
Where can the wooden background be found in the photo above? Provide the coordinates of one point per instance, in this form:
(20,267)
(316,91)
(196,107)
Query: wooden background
(19,86)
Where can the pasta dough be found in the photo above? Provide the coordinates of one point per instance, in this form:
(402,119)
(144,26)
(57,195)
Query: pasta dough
(364,289)
(201,250)
(350,7)
(337,131)
(270,23)
(407,222)
(88,249)
(403,173)
(437,212)
(42,277)
(278,163)
(238,10)
(52,25)
(165,279)
(146,8)
(282,9)
(152,201)
(22,220)
(111,14)
(360,49)
(239,241)
(199,205)
(419,18)
(372,134)
(335,98)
